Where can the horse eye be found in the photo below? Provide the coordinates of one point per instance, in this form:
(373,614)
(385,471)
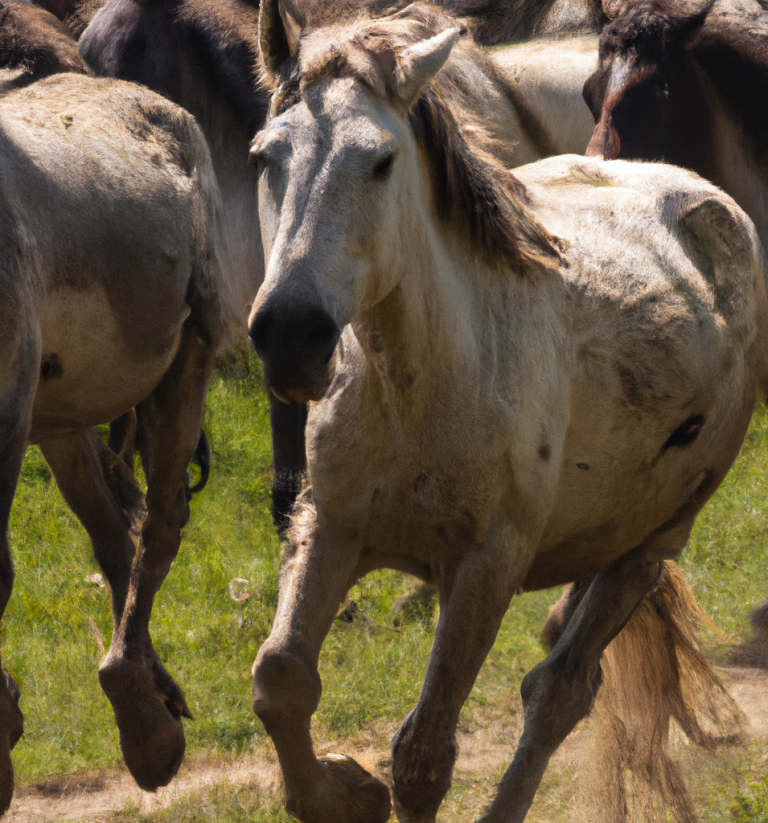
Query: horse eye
(382,169)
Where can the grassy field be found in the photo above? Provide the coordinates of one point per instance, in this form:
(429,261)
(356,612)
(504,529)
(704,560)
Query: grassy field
(58,624)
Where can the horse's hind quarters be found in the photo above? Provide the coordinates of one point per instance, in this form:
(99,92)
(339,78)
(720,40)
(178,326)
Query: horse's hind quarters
(148,707)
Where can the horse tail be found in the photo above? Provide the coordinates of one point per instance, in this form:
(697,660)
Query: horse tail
(202,459)
(654,672)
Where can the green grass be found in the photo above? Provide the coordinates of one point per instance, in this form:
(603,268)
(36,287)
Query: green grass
(58,622)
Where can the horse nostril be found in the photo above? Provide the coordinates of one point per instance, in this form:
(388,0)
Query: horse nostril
(261,330)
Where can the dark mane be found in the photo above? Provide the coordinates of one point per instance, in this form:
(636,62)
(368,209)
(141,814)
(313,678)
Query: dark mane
(648,27)
(475,193)
(472,191)
(33,40)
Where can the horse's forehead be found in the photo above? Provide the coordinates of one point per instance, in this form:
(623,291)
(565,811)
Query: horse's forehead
(339,111)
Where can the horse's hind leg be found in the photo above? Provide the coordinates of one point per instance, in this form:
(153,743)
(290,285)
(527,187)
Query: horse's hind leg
(148,704)
(560,690)
(101,490)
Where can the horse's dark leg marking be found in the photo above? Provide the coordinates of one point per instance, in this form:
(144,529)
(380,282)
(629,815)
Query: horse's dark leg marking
(101,490)
(560,690)
(474,596)
(318,569)
(288,456)
(148,704)
(17,393)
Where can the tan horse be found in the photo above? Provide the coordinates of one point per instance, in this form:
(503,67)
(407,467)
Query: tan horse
(115,294)
(517,382)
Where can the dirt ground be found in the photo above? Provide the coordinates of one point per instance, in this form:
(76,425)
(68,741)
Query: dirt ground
(94,798)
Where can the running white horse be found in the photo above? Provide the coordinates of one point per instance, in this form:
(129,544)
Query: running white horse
(517,381)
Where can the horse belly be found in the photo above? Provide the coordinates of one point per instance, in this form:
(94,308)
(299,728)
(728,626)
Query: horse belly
(93,366)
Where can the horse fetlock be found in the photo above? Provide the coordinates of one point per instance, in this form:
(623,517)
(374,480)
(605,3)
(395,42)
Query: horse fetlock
(284,682)
(422,764)
(346,793)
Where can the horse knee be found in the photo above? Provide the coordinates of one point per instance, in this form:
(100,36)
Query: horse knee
(162,529)
(285,682)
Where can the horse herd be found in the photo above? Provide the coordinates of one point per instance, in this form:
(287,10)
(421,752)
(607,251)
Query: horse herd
(516,379)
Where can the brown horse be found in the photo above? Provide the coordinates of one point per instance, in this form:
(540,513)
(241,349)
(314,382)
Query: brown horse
(116,295)
(516,382)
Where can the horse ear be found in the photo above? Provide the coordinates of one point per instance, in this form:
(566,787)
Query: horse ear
(419,63)
(611,8)
(689,29)
(276,44)
(293,23)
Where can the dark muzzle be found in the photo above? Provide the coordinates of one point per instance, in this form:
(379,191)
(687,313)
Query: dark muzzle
(296,345)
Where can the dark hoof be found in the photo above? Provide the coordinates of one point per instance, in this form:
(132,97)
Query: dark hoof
(349,794)
(148,710)
(11,729)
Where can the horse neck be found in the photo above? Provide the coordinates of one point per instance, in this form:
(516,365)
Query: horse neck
(437,327)
(238,181)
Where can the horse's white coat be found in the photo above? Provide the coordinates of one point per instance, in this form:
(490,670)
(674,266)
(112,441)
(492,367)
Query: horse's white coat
(485,426)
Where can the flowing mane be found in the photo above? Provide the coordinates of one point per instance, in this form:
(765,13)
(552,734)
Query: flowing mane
(472,191)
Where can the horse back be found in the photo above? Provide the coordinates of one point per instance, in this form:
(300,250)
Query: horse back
(117,215)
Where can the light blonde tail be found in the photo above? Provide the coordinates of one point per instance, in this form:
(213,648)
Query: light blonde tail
(654,672)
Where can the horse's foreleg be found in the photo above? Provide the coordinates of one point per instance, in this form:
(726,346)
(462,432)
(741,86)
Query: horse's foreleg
(102,491)
(289,459)
(148,704)
(474,596)
(18,389)
(560,690)
(318,569)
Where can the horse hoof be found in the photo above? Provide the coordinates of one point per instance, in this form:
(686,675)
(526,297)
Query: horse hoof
(11,729)
(350,795)
(149,721)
